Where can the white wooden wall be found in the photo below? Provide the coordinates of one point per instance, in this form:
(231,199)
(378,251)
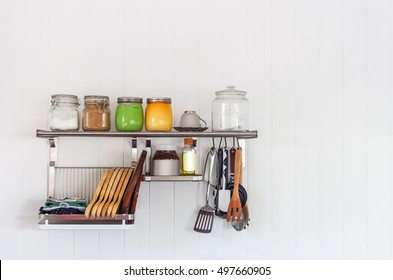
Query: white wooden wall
(319,79)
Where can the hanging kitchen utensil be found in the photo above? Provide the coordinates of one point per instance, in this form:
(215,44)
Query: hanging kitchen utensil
(245,217)
(235,207)
(204,221)
(223,194)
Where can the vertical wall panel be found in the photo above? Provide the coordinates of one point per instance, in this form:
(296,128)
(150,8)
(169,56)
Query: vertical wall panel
(61,245)
(161,219)
(111,244)
(136,48)
(391,119)
(259,165)
(137,240)
(186,240)
(355,130)
(210,60)
(12,87)
(378,192)
(86,245)
(284,214)
(307,128)
(331,131)
(185,58)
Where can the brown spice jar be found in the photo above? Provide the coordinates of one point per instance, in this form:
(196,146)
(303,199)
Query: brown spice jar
(96,113)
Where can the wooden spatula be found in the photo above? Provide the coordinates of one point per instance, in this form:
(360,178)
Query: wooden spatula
(103,193)
(235,206)
(96,193)
(114,190)
(109,192)
(114,206)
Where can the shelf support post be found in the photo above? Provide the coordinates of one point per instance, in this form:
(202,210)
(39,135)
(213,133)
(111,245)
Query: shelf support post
(134,152)
(52,166)
(148,157)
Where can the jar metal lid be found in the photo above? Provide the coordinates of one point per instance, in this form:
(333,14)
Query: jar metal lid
(231,89)
(97,99)
(159,99)
(65,98)
(126,99)
(93,97)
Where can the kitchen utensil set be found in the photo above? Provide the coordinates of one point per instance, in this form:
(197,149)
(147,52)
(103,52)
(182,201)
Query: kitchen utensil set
(230,197)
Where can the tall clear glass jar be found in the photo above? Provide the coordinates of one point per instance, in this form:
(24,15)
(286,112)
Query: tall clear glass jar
(96,113)
(230,110)
(64,113)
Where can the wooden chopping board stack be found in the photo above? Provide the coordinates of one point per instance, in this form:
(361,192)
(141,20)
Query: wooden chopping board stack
(117,191)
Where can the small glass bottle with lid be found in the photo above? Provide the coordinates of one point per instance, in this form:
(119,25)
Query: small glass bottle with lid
(96,113)
(129,114)
(230,110)
(188,158)
(158,115)
(63,113)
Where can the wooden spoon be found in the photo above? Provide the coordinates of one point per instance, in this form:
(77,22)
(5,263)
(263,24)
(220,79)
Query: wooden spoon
(235,206)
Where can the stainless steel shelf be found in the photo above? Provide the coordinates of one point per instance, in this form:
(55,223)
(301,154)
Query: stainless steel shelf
(195,178)
(79,221)
(174,134)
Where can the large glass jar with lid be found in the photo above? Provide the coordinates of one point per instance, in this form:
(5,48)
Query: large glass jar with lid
(96,113)
(64,113)
(158,116)
(129,114)
(230,110)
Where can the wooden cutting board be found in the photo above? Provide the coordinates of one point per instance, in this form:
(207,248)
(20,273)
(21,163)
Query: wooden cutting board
(136,176)
(114,206)
(111,187)
(97,193)
(108,181)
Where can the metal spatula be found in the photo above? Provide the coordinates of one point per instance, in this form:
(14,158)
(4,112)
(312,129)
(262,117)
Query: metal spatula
(204,221)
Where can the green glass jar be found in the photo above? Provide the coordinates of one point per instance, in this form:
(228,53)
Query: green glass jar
(129,114)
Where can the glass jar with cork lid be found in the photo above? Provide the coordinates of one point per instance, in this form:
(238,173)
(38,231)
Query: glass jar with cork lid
(96,113)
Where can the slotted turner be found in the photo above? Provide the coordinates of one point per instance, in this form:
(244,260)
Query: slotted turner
(204,221)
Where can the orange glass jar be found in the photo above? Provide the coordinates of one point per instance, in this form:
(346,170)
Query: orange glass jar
(158,115)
